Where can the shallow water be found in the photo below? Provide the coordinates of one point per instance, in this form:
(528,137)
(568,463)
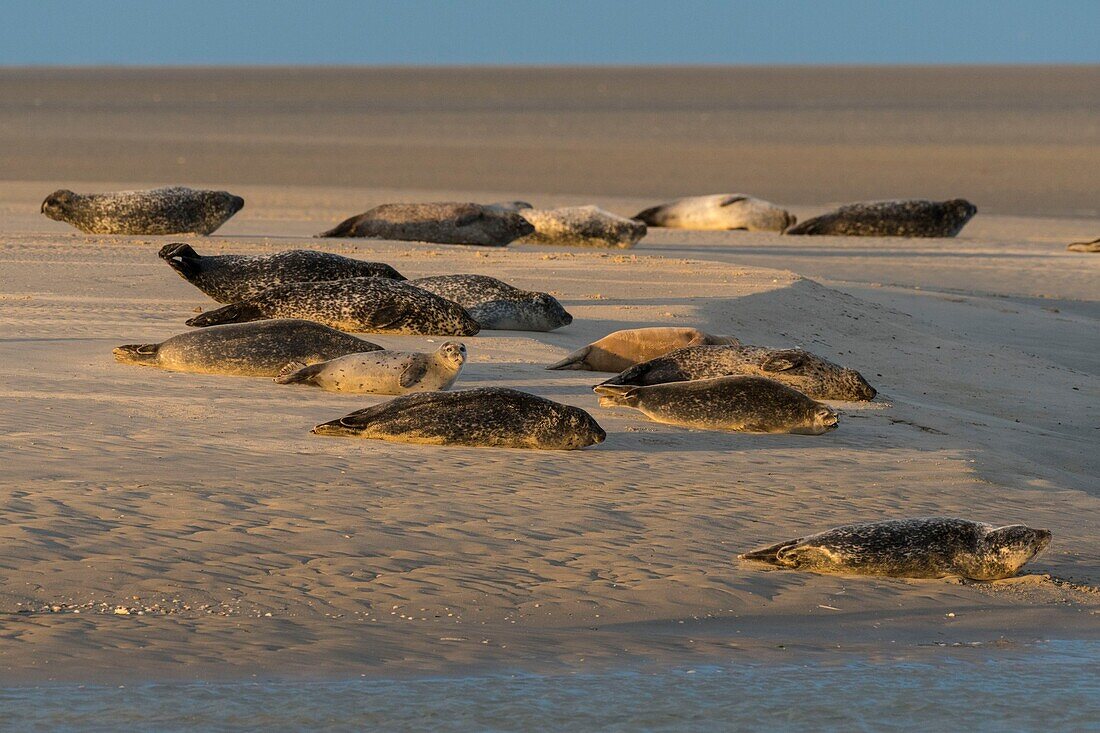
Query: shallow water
(1055,686)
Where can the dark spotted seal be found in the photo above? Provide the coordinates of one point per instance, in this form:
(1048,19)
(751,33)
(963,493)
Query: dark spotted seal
(623,349)
(892,219)
(581,226)
(718,212)
(229,278)
(929,547)
(1093,246)
(742,404)
(372,304)
(496,305)
(382,372)
(442,223)
(256,349)
(492,417)
(176,210)
(813,376)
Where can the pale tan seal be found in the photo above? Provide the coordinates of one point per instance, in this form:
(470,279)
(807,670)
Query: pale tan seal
(581,226)
(720,211)
(927,547)
(623,349)
(441,223)
(175,210)
(382,372)
(1093,246)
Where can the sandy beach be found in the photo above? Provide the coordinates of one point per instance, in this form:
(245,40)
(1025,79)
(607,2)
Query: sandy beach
(240,544)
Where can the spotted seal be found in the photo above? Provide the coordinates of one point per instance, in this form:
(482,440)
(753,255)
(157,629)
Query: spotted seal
(229,278)
(584,226)
(493,417)
(912,218)
(496,305)
(372,304)
(926,547)
(810,374)
(742,404)
(255,349)
(623,349)
(175,210)
(1093,246)
(382,372)
(720,211)
(442,223)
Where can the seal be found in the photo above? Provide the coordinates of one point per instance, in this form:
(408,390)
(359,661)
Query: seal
(720,211)
(813,376)
(229,278)
(441,223)
(372,304)
(741,404)
(581,226)
(913,218)
(256,349)
(496,305)
(486,417)
(1093,246)
(382,372)
(623,349)
(926,547)
(175,210)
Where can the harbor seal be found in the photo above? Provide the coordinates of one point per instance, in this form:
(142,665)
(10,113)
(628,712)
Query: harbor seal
(810,374)
(623,349)
(382,372)
(496,305)
(741,404)
(372,304)
(1093,246)
(442,223)
(256,349)
(892,219)
(229,278)
(583,226)
(927,547)
(720,211)
(175,210)
(492,417)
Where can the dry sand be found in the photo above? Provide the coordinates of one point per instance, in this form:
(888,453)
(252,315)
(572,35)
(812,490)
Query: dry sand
(206,499)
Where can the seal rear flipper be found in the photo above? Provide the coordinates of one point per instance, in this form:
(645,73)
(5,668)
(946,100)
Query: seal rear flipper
(574,360)
(232,313)
(346,228)
(335,427)
(646,215)
(720,341)
(182,258)
(617,394)
(137,354)
(630,376)
(771,553)
(297,371)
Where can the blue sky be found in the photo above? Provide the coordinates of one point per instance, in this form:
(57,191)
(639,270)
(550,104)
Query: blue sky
(431,32)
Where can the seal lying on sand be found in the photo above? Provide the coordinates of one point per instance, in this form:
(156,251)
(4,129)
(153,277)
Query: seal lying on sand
(1093,246)
(496,305)
(892,219)
(358,304)
(743,404)
(176,210)
(493,417)
(929,547)
(718,212)
(257,349)
(623,349)
(229,278)
(382,372)
(443,223)
(584,226)
(813,376)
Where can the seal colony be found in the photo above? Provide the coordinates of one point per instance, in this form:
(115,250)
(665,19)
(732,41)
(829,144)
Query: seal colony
(175,210)
(441,223)
(892,219)
(381,372)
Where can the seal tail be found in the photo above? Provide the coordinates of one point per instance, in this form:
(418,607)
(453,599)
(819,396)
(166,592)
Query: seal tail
(617,394)
(573,361)
(295,372)
(182,258)
(770,554)
(346,228)
(232,313)
(145,354)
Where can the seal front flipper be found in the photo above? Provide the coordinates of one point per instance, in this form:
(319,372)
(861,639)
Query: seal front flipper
(414,372)
(232,313)
(145,354)
(770,554)
(297,371)
(782,361)
(346,228)
(574,360)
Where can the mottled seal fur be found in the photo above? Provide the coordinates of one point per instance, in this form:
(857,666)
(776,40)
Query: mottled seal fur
(912,218)
(623,349)
(372,304)
(176,210)
(442,223)
(928,547)
(1093,246)
(742,404)
(494,417)
(810,374)
(496,305)
(256,349)
(718,211)
(382,372)
(583,226)
(229,278)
